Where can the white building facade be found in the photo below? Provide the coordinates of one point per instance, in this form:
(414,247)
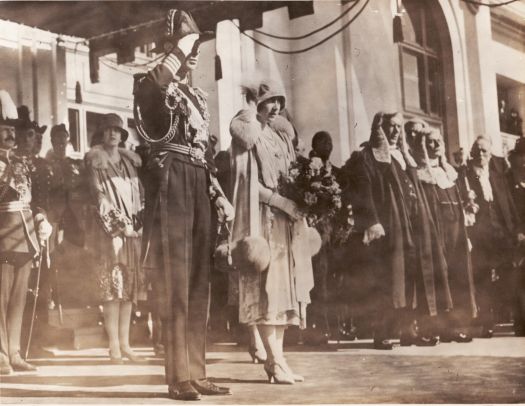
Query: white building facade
(459,66)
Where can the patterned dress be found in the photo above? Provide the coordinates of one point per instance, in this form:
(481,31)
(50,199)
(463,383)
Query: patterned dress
(117,204)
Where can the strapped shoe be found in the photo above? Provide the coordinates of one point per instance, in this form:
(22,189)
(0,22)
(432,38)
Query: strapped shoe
(205,387)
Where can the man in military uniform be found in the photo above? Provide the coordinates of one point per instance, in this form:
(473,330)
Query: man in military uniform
(29,136)
(173,117)
(18,242)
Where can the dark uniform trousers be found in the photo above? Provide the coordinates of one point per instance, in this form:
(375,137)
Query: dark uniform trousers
(13,292)
(180,238)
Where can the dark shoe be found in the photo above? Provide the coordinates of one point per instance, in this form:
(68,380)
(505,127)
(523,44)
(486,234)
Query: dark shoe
(205,387)
(383,344)
(183,391)
(457,337)
(18,364)
(407,340)
(486,332)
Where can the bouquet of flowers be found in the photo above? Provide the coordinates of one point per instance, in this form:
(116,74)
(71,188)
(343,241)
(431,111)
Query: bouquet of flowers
(343,225)
(313,187)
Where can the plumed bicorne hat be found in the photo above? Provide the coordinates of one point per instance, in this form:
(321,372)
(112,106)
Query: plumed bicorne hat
(25,122)
(179,23)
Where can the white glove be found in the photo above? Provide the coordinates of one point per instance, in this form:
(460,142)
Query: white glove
(286,205)
(373,233)
(186,43)
(117,244)
(44,229)
(225,210)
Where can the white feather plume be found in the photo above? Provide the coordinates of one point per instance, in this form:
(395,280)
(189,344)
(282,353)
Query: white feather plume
(7,106)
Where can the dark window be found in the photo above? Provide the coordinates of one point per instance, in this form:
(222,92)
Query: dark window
(421,69)
(92,124)
(74,128)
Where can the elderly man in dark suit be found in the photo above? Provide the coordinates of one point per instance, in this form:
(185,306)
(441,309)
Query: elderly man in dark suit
(496,230)
(517,182)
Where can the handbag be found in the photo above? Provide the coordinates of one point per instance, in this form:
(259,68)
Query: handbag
(114,222)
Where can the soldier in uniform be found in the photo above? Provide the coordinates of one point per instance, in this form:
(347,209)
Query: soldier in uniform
(181,187)
(28,145)
(18,242)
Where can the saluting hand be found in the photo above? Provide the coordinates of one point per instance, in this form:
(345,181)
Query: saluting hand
(187,43)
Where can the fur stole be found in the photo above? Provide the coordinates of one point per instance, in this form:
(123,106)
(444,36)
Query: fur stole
(98,158)
(245,129)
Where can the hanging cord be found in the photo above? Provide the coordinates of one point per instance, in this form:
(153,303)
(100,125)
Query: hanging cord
(480,3)
(310,33)
(299,51)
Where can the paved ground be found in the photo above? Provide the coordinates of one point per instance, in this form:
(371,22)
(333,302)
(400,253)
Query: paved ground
(484,371)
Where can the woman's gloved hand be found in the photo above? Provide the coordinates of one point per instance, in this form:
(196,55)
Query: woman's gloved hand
(286,205)
(373,233)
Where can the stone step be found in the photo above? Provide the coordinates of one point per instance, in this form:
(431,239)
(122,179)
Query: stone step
(89,337)
(75,317)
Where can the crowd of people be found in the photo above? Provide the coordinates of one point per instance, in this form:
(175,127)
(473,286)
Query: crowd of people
(430,241)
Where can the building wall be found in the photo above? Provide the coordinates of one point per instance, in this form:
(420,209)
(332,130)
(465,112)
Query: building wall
(33,73)
(336,87)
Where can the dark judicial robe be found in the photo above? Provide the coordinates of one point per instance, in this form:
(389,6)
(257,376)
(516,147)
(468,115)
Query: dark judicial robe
(447,210)
(402,266)
(493,237)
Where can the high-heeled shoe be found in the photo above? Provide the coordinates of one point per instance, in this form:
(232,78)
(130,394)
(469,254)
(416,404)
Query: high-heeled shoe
(288,370)
(132,356)
(115,358)
(257,357)
(277,374)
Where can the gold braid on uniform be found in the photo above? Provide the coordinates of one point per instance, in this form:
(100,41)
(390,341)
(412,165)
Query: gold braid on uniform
(173,102)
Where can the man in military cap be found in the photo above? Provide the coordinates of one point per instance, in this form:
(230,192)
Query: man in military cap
(180,189)
(18,242)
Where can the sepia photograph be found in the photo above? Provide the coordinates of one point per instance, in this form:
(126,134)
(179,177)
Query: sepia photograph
(262,202)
